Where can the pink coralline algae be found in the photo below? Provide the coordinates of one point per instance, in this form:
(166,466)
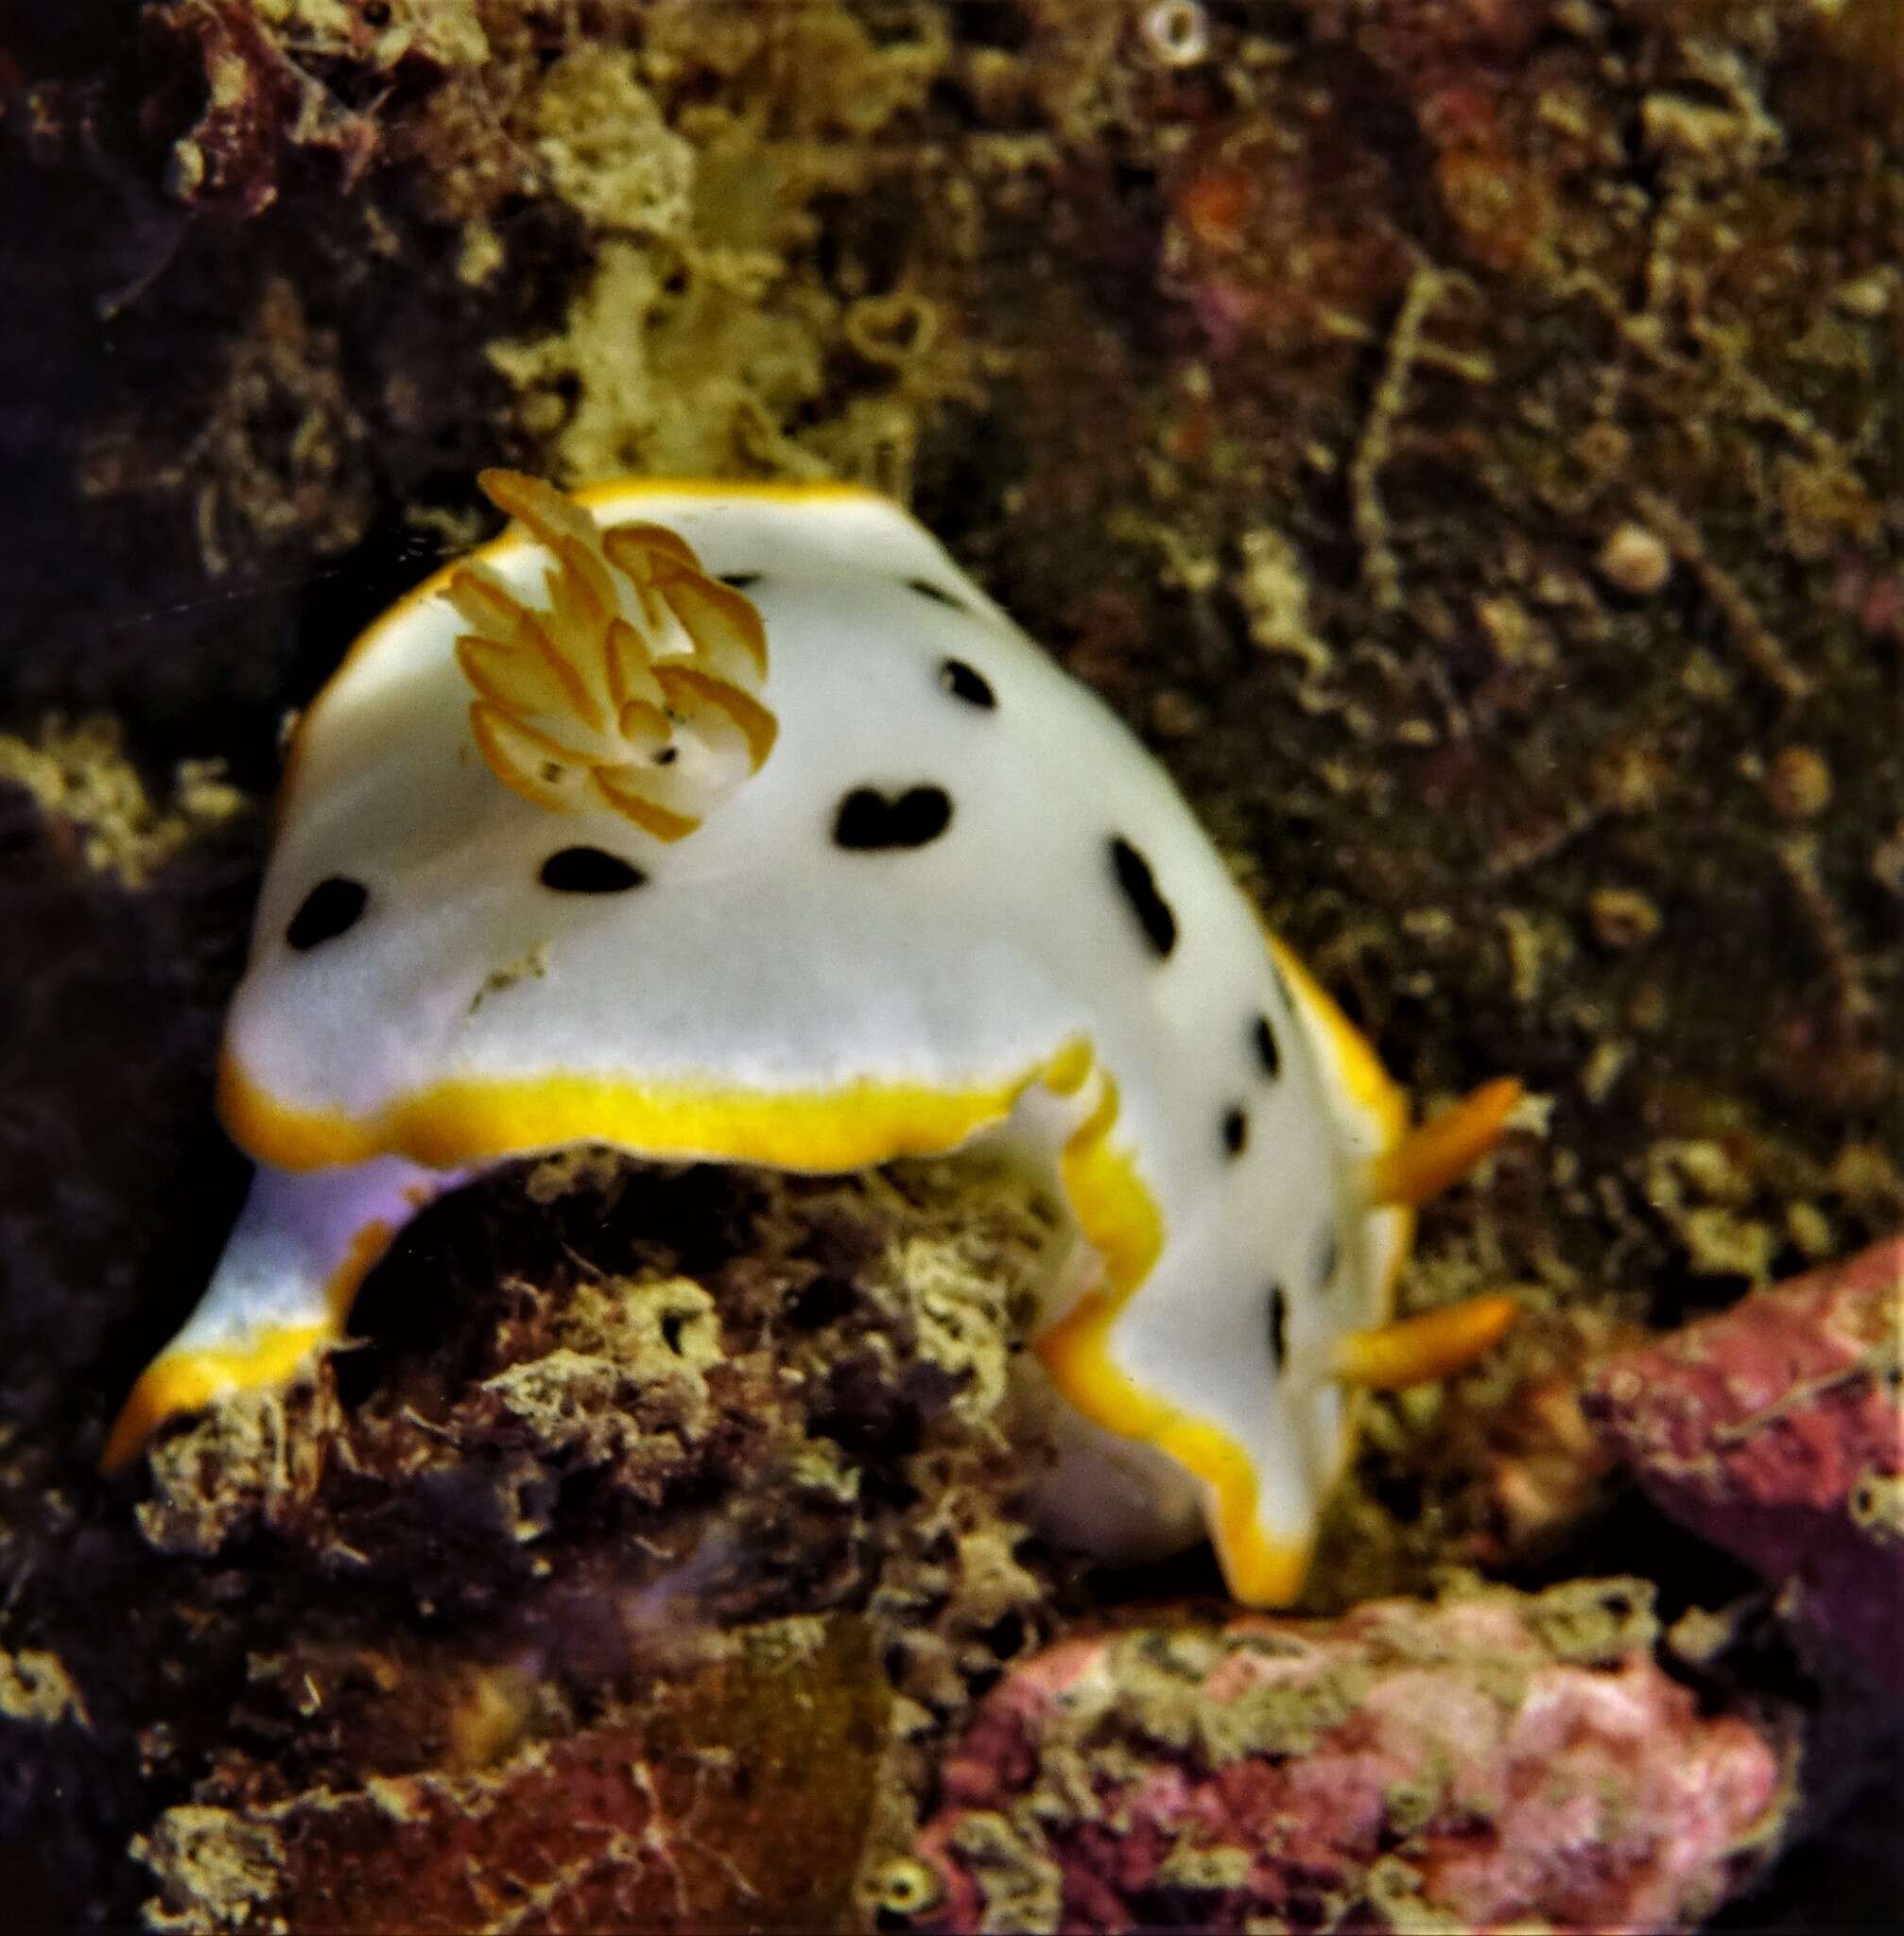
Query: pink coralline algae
(1476,1765)
(1774,1431)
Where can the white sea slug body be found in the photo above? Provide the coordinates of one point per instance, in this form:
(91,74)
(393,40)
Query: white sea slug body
(736,822)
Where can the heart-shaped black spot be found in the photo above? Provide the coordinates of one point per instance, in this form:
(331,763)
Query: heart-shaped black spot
(869,822)
(331,909)
(589,871)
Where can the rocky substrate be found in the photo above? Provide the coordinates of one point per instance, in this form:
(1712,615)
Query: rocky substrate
(1492,1762)
(643,1498)
(1776,1429)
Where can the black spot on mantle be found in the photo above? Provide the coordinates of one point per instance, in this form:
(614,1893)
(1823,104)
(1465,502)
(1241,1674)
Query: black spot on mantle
(1235,1131)
(964,683)
(938,593)
(332,908)
(1279,1326)
(869,822)
(1139,888)
(589,871)
(1268,1054)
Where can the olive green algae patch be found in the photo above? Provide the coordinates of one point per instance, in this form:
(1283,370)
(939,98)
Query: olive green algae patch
(79,775)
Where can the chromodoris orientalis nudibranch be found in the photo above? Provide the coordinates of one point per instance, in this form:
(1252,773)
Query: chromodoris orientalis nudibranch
(820,862)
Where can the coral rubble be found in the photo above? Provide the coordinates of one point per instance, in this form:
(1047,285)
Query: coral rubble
(1776,1429)
(1476,1765)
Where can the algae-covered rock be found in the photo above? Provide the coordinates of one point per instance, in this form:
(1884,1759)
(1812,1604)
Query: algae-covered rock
(623,1570)
(1775,1429)
(1481,1764)
(588,1343)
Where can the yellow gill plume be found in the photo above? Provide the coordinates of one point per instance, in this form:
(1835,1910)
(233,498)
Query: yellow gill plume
(636,688)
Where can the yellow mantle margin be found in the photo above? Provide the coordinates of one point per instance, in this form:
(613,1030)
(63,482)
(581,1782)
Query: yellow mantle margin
(471,1120)
(179,1382)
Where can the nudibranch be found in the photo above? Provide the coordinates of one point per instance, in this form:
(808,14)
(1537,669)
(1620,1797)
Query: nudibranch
(734,823)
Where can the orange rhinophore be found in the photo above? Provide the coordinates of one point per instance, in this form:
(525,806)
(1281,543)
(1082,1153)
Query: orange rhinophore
(1443,1149)
(1416,1351)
